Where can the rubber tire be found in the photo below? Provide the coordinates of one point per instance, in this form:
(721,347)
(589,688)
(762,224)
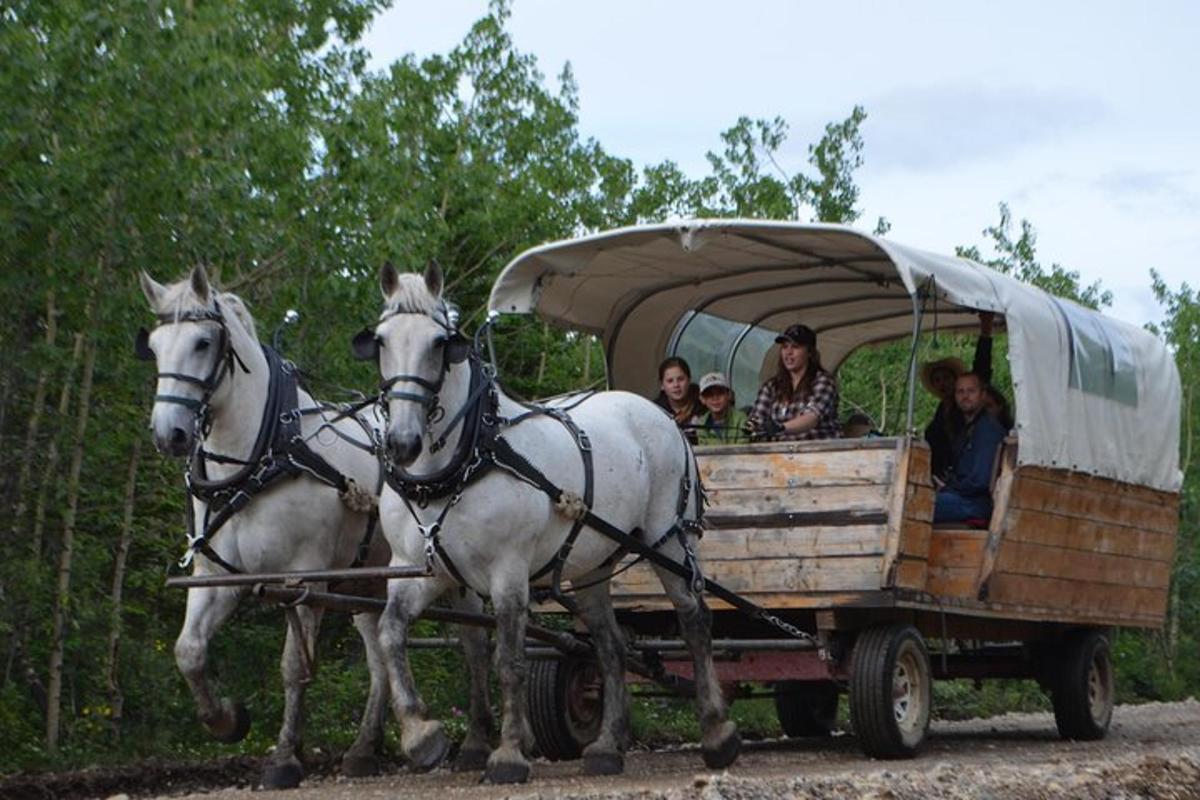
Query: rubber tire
(1081,687)
(559,734)
(806,708)
(878,653)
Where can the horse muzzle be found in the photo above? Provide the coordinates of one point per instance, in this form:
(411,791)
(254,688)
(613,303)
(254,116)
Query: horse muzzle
(173,435)
(403,448)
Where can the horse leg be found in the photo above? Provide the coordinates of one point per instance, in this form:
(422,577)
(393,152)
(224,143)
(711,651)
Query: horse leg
(284,769)
(507,763)
(720,742)
(606,755)
(361,759)
(423,740)
(207,610)
(477,745)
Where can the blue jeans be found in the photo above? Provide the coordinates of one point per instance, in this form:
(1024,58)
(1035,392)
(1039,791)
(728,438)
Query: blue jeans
(953,507)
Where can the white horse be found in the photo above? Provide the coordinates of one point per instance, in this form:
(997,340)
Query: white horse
(494,529)
(220,394)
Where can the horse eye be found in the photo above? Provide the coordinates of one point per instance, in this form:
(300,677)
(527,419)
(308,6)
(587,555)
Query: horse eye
(202,345)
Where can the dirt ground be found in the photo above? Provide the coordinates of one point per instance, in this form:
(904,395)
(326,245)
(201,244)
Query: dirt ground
(1152,751)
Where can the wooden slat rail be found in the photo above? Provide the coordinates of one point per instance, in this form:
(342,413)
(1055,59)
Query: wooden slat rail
(788,522)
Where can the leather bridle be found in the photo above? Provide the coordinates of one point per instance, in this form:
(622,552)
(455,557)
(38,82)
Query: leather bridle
(223,363)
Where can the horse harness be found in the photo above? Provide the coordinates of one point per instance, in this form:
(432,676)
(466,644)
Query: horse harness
(482,447)
(280,450)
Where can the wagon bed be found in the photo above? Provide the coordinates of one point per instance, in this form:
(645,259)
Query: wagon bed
(839,524)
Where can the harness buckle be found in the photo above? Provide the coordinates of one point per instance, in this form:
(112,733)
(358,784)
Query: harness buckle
(585,444)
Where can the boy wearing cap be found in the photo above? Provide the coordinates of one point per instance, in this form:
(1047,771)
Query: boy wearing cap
(801,401)
(724,423)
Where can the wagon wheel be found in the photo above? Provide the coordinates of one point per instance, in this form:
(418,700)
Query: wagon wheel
(891,691)
(806,708)
(566,700)
(1081,686)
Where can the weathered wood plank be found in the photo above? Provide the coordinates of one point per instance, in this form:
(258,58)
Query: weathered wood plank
(896,500)
(1025,558)
(753,500)
(795,519)
(919,502)
(807,446)
(789,600)
(957,548)
(796,470)
(803,542)
(769,575)
(951,581)
(1075,533)
(1106,485)
(1075,599)
(919,464)
(1002,498)
(1091,503)
(911,573)
(914,538)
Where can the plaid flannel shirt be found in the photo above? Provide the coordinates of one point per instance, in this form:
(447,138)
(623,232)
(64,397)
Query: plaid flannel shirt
(823,402)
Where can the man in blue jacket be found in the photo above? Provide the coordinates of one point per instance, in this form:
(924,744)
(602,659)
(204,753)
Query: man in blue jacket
(966,492)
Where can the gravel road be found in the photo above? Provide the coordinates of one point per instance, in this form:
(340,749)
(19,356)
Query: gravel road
(1152,751)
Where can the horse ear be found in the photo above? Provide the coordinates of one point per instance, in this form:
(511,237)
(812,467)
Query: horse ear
(199,279)
(389,279)
(153,290)
(433,278)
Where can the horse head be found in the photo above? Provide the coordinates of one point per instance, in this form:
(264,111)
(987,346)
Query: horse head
(416,343)
(193,347)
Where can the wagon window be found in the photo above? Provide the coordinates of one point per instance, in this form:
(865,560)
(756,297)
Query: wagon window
(710,343)
(1101,360)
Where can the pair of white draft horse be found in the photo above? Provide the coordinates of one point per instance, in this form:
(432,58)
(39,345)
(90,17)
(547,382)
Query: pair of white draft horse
(492,532)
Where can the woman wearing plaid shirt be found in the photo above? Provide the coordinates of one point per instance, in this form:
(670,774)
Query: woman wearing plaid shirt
(801,401)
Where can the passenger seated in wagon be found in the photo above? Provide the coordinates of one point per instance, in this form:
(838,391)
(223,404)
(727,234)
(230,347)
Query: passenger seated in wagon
(801,401)
(724,423)
(965,493)
(939,377)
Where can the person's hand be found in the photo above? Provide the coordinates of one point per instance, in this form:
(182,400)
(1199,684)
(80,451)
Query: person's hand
(938,483)
(767,428)
(985,322)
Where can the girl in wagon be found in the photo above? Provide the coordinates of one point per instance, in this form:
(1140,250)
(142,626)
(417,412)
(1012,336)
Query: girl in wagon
(801,401)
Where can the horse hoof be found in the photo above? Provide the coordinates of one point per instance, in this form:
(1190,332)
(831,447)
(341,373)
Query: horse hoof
(506,772)
(233,727)
(470,760)
(725,752)
(429,752)
(282,776)
(609,763)
(355,766)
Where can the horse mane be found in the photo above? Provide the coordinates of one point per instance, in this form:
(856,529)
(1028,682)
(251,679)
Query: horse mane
(412,296)
(179,299)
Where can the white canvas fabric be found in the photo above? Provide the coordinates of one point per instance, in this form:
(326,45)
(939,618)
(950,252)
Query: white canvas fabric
(1092,394)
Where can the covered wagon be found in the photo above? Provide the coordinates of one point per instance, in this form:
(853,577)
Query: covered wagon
(836,536)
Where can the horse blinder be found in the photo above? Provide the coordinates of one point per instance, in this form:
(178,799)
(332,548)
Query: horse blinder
(458,347)
(365,345)
(141,345)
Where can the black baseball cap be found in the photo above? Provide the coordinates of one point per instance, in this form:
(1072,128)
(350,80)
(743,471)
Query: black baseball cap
(798,334)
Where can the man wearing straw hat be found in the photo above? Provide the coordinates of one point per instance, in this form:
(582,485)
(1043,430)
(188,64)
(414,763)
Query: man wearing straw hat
(938,378)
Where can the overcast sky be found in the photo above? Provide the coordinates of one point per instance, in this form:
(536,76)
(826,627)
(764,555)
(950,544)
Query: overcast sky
(1083,116)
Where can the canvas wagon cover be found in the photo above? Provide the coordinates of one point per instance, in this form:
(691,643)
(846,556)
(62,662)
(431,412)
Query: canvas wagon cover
(1093,394)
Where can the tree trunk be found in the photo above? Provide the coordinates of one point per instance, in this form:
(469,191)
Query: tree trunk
(46,485)
(541,372)
(35,420)
(116,700)
(63,589)
(587,361)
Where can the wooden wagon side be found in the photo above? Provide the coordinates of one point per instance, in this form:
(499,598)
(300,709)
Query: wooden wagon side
(849,524)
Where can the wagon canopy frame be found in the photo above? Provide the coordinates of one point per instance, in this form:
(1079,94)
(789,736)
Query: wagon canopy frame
(1093,394)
